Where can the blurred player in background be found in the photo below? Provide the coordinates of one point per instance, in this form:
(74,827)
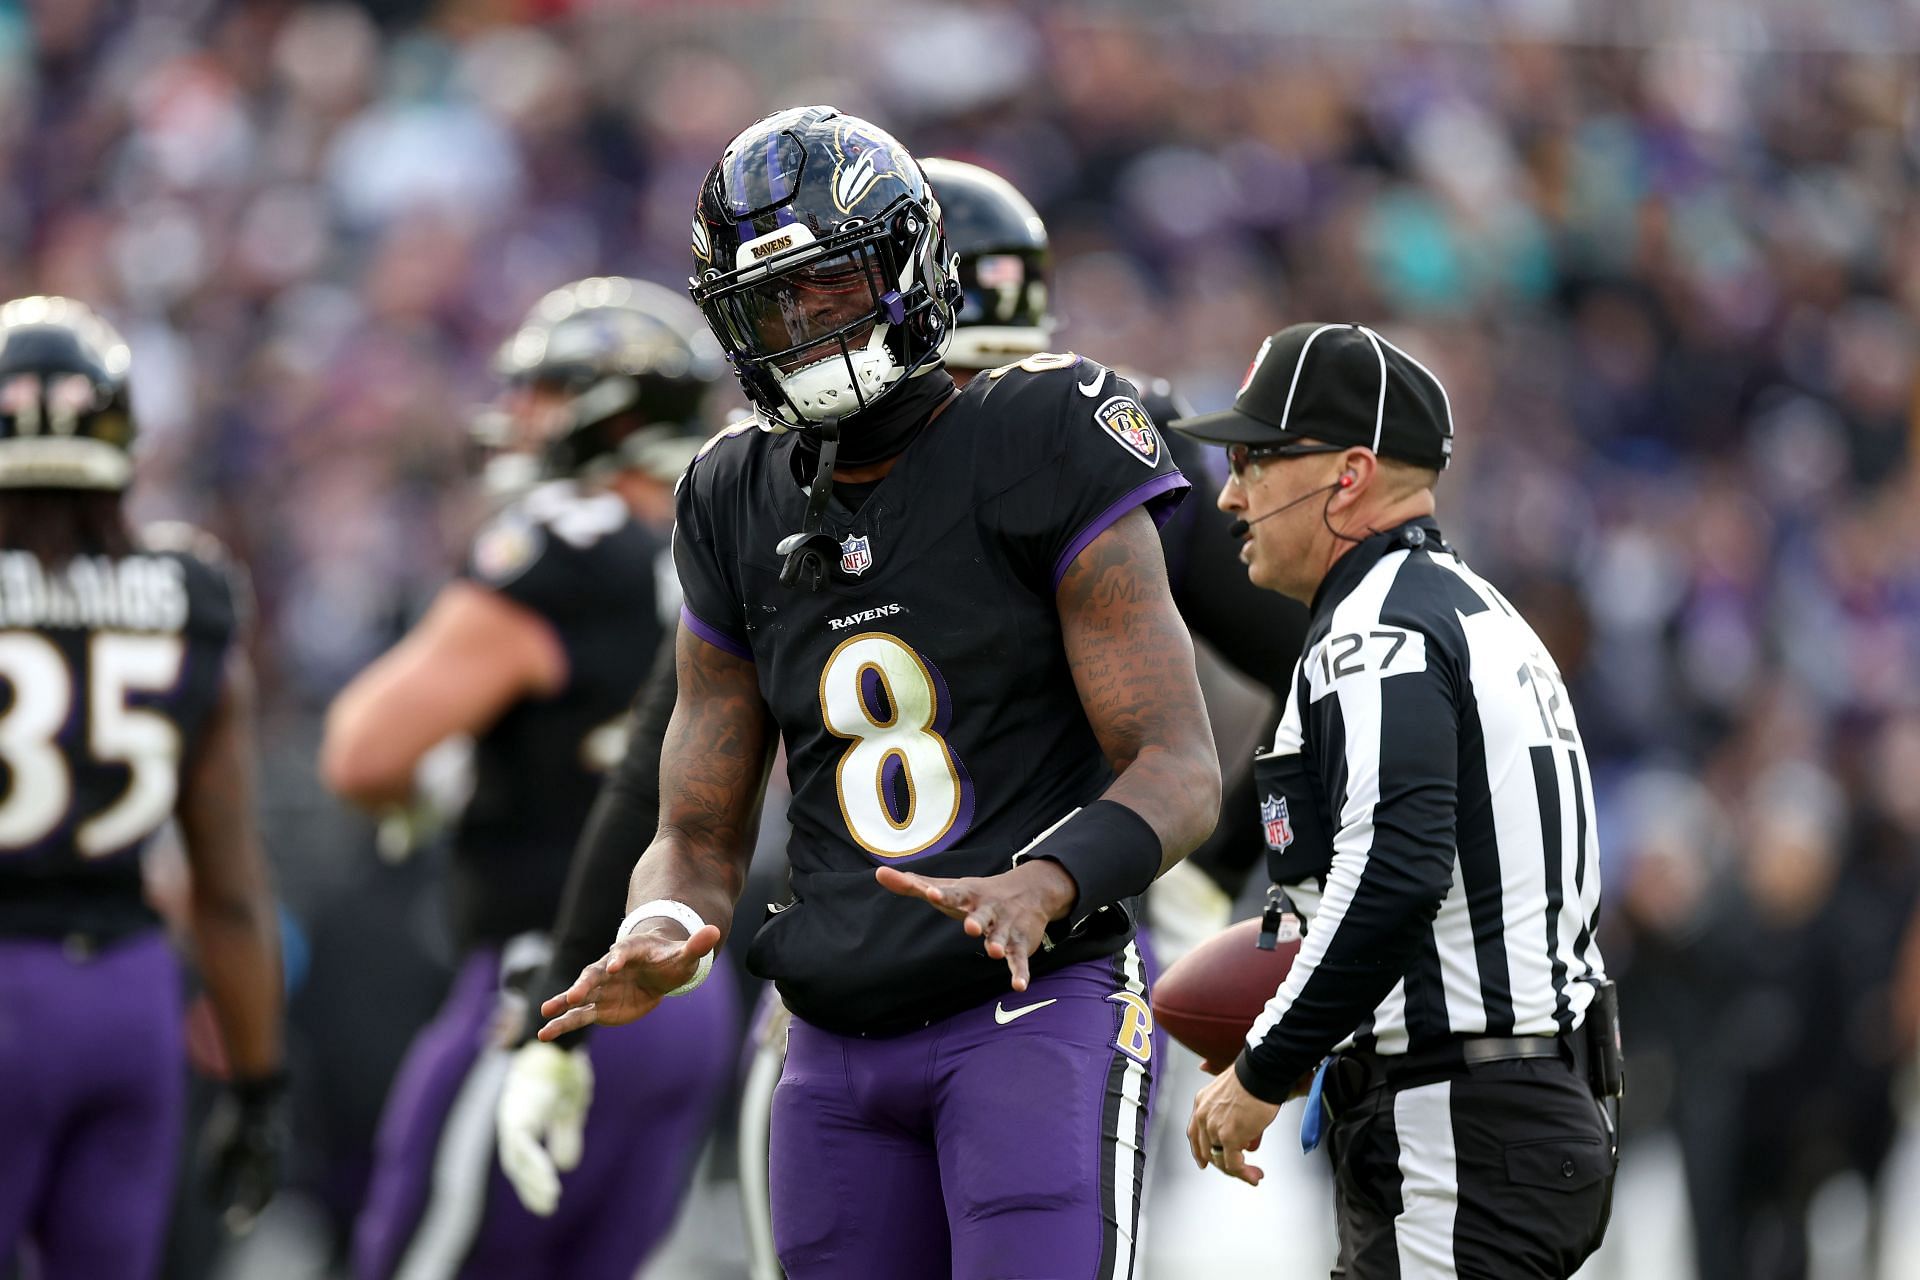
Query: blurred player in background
(128,703)
(970,653)
(536,651)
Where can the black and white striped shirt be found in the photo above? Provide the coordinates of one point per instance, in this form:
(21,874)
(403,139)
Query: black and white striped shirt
(1463,885)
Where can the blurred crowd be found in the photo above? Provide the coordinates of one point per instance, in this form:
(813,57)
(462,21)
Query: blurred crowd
(1674,292)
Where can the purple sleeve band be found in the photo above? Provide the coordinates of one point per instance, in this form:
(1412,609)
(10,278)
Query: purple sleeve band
(714,636)
(1171,482)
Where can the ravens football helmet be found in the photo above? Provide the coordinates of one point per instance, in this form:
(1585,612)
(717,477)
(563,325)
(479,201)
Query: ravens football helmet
(64,416)
(820,265)
(628,364)
(1004,261)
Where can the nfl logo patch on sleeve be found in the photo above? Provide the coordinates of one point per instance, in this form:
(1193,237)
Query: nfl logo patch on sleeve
(1125,420)
(1273,816)
(856,555)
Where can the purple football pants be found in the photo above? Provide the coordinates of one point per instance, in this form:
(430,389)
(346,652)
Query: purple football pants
(1006,1141)
(92,1088)
(438,1204)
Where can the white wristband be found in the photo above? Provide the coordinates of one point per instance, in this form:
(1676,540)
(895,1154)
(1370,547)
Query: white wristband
(680,913)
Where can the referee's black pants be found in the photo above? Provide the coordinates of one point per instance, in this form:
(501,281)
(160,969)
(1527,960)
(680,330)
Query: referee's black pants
(1502,1171)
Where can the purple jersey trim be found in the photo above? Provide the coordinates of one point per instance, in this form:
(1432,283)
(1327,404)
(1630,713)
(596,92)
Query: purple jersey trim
(714,635)
(1171,482)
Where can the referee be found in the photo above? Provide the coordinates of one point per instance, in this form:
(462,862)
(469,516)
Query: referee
(1428,810)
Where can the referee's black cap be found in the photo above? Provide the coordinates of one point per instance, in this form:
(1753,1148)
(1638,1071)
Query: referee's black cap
(1341,384)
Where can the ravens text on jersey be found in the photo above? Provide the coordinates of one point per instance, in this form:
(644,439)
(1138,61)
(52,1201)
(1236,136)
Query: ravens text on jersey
(923,694)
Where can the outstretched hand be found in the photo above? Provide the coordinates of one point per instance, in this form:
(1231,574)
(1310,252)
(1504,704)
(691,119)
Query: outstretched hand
(1011,910)
(630,980)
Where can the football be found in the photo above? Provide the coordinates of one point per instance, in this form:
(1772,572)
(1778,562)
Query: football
(1208,999)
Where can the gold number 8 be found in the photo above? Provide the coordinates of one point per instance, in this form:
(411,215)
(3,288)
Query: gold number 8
(896,735)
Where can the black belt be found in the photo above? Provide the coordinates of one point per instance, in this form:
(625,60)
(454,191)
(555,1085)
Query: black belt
(1359,1071)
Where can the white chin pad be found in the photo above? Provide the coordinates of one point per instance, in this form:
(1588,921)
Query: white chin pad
(823,389)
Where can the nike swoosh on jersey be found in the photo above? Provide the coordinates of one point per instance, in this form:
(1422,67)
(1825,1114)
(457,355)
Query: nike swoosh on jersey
(1004,1015)
(1092,389)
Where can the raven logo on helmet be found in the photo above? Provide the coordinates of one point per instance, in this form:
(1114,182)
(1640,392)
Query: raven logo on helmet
(863,155)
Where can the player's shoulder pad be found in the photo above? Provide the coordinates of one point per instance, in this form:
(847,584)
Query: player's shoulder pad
(214,575)
(1071,402)
(177,537)
(551,522)
(728,448)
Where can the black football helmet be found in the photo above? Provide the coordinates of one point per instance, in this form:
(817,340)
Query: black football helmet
(1159,397)
(1004,264)
(819,263)
(634,360)
(64,416)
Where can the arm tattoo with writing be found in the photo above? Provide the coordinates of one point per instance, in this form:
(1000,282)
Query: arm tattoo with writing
(1132,660)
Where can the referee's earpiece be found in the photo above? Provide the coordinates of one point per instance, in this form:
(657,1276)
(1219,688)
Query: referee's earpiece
(1346,481)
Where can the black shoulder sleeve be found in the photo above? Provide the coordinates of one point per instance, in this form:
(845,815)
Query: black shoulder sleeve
(622,823)
(711,600)
(1095,455)
(517,555)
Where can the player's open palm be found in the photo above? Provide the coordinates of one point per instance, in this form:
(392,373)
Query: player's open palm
(1009,912)
(629,981)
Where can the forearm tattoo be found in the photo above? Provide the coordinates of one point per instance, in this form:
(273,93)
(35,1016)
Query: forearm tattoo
(1132,660)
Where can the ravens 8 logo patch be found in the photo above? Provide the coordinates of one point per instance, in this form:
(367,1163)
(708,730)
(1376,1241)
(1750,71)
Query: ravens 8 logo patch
(1126,421)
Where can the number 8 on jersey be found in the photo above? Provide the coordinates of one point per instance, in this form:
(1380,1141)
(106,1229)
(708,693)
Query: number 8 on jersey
(901,788)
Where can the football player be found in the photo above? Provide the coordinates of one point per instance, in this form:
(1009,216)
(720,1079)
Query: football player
(535,651)
(128,702)
(954,608)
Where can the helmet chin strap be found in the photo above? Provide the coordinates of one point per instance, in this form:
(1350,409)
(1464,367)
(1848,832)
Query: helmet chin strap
(808,551)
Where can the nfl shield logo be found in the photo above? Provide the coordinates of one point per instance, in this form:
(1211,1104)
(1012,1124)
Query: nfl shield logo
(1273,816)
(856,556)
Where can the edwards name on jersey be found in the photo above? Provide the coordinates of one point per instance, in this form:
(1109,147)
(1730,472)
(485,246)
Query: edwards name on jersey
(597,576)
(923,694)
(109,667)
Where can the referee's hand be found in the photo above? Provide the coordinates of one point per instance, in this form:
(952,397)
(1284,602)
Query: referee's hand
(1227,1123)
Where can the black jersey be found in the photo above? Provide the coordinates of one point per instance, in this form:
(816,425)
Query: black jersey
(110,667)
(923,694)
(596,575)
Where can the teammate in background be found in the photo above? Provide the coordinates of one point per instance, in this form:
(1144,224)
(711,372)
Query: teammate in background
(128,701)
(536,651)
(954,608)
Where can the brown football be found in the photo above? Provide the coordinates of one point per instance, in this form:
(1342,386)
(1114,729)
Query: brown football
(1209,998)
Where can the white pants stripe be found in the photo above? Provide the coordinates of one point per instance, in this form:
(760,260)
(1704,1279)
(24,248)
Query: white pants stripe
(462,1167)
(1429,1184)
